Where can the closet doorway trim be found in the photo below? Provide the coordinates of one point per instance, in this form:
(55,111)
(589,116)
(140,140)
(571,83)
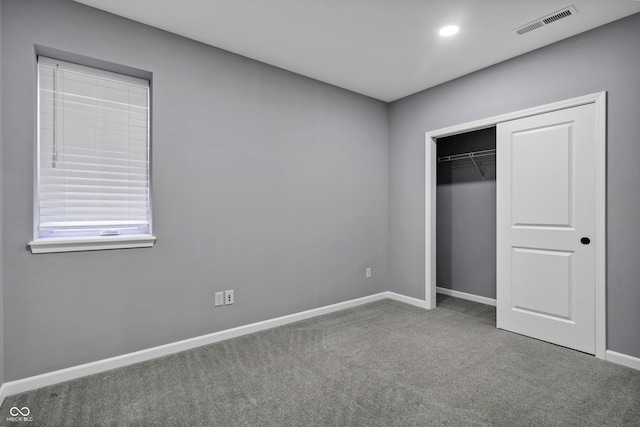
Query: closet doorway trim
(600,101)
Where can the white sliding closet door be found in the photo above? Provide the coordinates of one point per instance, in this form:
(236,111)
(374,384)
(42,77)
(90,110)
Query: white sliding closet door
(546,195)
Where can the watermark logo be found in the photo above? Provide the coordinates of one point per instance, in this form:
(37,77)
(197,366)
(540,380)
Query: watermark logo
(15,411)
(20,414)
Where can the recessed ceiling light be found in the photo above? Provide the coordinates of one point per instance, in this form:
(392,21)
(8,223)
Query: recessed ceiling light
(449,30)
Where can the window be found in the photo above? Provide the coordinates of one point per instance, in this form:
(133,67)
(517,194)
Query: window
(92,169)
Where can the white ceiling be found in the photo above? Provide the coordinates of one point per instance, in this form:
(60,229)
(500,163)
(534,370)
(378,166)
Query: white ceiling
(386,49)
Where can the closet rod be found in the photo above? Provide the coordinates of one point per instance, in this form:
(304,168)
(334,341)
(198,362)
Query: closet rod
(469,156)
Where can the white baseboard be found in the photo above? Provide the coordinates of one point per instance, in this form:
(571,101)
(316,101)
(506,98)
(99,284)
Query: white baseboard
(464,295)
(55,377)
(622,359)
(407,300)
(31,383)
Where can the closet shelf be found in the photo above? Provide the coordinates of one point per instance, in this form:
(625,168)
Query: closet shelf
(468,156)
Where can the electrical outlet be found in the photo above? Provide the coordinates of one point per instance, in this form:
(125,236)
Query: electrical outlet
(219,300)
(228,297)
(367,273)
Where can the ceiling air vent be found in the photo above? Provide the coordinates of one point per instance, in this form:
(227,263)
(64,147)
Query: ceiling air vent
(529,27)
(546,20)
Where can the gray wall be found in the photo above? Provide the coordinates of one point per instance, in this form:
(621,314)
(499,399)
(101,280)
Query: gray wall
(605,58)
(264,181)
(1,231)
(466,216)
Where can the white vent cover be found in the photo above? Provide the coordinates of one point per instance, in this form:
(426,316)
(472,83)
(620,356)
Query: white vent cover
(546,20)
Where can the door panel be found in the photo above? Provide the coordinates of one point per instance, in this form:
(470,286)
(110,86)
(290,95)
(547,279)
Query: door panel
(538,274)
(541,176)
(546,204)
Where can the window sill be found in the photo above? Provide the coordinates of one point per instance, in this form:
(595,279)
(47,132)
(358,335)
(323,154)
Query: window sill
(77,244)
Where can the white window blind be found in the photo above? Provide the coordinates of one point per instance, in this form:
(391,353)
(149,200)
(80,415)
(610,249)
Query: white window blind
(93,152)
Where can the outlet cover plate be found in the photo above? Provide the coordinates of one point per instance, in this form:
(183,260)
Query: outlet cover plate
(228,297)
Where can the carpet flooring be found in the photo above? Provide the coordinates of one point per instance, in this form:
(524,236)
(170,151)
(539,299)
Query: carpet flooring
(381,364)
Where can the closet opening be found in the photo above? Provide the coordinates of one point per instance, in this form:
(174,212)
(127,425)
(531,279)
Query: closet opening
(466,216)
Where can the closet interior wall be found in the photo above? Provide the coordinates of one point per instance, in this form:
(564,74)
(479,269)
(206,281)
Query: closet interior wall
(466,215)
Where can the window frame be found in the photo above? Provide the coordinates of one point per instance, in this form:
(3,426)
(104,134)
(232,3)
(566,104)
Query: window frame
(91,242)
